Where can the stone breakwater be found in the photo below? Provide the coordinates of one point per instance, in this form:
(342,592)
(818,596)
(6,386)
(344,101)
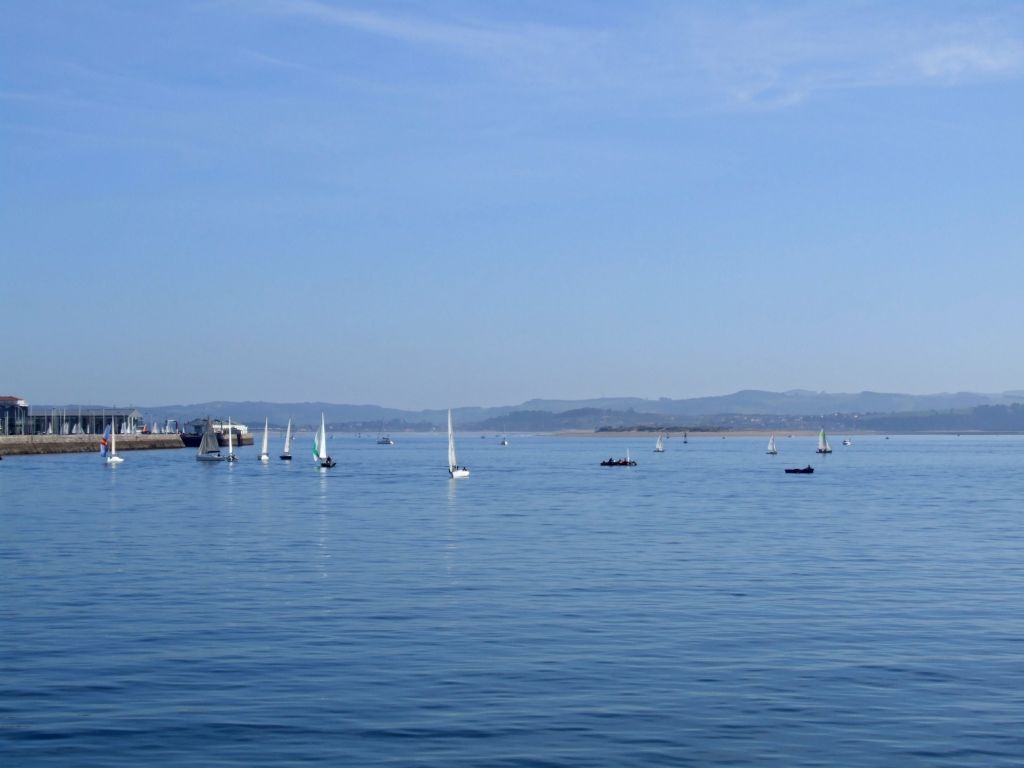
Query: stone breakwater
(19,445)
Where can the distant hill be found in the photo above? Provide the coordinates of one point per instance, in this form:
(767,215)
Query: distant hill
(791,403)
(794,409)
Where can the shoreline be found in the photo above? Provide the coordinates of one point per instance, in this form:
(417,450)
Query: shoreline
(691,435)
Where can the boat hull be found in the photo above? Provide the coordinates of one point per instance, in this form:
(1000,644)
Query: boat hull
(114,460)
(458,473)
(285,457)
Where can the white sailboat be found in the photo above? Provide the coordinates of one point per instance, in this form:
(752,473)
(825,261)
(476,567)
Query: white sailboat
(659,447)
(286,454)
(108,447)
(772,450)
(231,443)
(453,463)
(823,446)
(265,448)
(320,454)
(209,448)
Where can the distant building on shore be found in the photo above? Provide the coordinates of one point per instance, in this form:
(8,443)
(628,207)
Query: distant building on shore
(13,415)
(18,418)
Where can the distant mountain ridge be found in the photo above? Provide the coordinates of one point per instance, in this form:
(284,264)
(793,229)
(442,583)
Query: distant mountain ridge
(584,414)
(795,402)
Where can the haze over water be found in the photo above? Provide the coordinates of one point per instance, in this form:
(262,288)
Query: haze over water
(702,608)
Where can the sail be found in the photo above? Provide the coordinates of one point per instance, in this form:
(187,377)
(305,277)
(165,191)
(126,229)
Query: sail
(105,442)
(453,462)
(660,445)
(320,442)
(822,443)
(288,438)
(209,442)
(231,440)
(266,439)
(113,444)
(771,444)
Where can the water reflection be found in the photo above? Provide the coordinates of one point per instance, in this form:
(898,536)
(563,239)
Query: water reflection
(452,530)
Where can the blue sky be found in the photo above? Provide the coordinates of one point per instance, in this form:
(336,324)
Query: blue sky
(422,204)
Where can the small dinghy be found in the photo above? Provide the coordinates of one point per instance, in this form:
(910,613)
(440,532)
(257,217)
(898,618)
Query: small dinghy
(626,462)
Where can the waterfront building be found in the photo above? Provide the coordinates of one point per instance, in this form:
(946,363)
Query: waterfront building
(13,415)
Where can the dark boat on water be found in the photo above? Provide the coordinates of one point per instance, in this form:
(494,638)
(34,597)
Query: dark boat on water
(626,462)
(808,470)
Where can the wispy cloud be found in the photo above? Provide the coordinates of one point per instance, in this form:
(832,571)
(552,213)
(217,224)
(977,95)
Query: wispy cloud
(476,37)
(958,61)
(779,56)
(755,56)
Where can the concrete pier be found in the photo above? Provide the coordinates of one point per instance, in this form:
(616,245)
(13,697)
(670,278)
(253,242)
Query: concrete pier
(20,445)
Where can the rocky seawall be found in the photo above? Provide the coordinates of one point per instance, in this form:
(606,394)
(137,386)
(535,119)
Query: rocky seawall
(20,445)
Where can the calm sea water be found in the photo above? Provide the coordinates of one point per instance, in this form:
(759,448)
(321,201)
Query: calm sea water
(702,608)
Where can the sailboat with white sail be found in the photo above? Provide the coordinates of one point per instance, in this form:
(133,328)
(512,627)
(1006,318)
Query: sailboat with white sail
(659,446)
(772,450)
(823,446)
(265,447)
(231,443)
(108,447)
(209,447)
(286,454)
(453,463)
(320,455)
